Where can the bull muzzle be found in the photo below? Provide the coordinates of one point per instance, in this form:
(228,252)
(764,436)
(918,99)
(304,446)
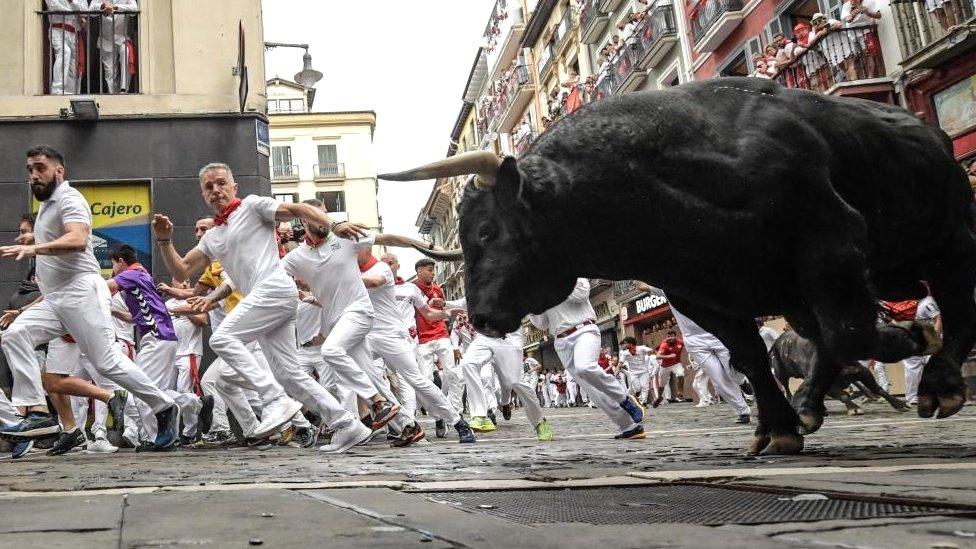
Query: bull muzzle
(441,255)
(483,164)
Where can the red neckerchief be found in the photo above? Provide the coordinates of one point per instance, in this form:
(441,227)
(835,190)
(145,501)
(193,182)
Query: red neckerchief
(633,352)
(222,216)
(399,280)
(136,267)
(312,244)
(369,264)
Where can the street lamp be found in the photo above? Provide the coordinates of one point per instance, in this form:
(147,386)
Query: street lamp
(307,76)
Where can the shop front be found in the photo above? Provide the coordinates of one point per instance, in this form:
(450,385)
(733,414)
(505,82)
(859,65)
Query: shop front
(648,317)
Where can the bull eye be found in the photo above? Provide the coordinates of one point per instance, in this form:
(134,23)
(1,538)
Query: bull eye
(486,232)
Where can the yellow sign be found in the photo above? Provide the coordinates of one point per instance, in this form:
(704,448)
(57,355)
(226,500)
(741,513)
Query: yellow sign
(120,215)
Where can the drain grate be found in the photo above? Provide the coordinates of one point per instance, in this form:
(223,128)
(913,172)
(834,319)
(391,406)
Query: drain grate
(672,503)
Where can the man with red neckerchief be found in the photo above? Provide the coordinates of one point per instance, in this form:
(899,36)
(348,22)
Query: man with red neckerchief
(435,340)
(243,239)
(669,352)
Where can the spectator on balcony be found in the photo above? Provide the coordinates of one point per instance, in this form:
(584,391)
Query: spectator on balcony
(589,88)
(762,69)
(945,12)
(770,57)
(865,14)
(67,45)
(837,47)
(114,46)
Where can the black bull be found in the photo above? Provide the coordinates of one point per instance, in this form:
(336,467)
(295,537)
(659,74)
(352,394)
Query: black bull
(739,198)
(795,357)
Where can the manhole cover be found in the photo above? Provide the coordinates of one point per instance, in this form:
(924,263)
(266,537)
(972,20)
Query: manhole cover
(672,503)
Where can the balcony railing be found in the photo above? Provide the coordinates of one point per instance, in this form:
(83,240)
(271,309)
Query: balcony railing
(843,55)
(523,142)
(545,59)
(566,26)
(284,172)
(592,21)
(919,27)
(336,170)
(87,52)
(656,26)
(708,12)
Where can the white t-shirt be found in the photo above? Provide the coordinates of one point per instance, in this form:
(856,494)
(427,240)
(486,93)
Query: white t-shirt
(695,337)
(247,245)
(636,362)
(927,309)
(189,336)
(388,319)
(124,331)
(409,298)
(65,205)
(575,310)
(332,273)
(308,322)
(862,18)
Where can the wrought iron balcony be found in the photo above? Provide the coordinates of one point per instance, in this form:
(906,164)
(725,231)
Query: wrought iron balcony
(838,58)
(713,20)
(90,53)
(656,34)
(284,172)
(515,97)
(335,170)
(566,27)
(546,59)
(592,21)
(921,30)
(523,142)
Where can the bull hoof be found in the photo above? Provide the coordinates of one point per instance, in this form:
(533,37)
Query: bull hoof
(758,444)
(810,422)
(784,445)
(949,405)
(926,405)
(900,406)
(855,412)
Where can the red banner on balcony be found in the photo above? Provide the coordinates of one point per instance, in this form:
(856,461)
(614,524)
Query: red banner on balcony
(573,100)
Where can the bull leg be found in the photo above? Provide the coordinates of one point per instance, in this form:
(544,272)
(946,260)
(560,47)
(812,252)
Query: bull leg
(838,392)
(777,421)
(865,379)
(952,282)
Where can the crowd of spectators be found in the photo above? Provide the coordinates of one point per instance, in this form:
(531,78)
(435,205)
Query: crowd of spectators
(824,51)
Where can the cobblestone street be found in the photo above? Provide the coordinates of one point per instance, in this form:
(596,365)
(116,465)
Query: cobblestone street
(376,495)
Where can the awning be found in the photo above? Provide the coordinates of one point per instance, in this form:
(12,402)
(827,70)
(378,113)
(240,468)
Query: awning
(649,315)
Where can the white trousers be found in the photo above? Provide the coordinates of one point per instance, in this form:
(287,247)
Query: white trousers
(82,309)
(640,385)
(346,352)
(700,385)
(715,363)
(506,360)
(210,380)
(913,375)
(157,358)
(452,379)
(8,413)
(267,315)
(67,359)
(397,353)
(490,385)
(112,59)
(64,73)
(881,374)
(185,366)
(579,352)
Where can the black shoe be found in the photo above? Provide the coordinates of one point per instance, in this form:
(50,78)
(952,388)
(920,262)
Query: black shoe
(314,418)
(68,441)
(116,408)
(185,440)
(636,433)
(465,434)
(167,427)
(126,442)
(145,446)
(492,417)
(307,436)
(506,412)
(205,417)
(411,433)
(21,448)
(392,434)
(252,442)
(440,428)
(35,425)
(744,418)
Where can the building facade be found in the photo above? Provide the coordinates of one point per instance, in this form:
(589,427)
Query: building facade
(183,86)
(324,155)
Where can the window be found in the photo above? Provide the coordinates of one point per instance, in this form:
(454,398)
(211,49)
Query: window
(737,65)
(287,198)
(281,166)
(286,105)
(328,165)
(68,73)
(335,204)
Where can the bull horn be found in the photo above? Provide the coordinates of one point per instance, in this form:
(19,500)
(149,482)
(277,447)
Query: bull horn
(441,255)
(482,163)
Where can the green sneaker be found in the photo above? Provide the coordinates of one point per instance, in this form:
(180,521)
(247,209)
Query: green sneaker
(544,431)
(481,424)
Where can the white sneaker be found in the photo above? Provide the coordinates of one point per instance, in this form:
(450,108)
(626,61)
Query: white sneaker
(346,438)
(101,446)
(275,415)
(702,404)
